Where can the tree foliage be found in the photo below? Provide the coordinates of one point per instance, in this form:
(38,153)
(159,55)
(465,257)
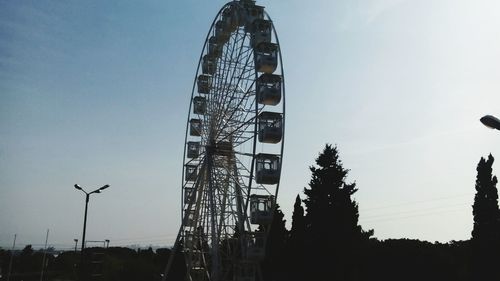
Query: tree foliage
(333,234)
(485,208)
(332,214)
(485,255)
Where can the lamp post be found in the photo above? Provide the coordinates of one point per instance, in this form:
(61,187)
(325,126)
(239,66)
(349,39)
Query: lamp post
(490,121)
(87,196)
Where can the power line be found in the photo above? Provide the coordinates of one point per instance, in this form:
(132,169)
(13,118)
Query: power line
(411,216)
(418,202)
(417,210)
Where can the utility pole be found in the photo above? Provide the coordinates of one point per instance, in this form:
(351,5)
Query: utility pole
(44,254)
(11,257)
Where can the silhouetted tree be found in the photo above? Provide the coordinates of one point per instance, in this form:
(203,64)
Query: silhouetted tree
(486,232)
(333,233)
(485,208)
(296,242)
(274,265)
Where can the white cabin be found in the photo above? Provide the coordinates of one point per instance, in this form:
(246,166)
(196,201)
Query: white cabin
(256,247)
(198,273)
(261,32)
(261,207)
(214,49)
(266,57)
(268,88)
(231,18)
(195,127)
(270,127)
(189,220)
(193,149)
(191,172)
(252,13)
(244,271)
(209,64)
(267,168)
(221,34)
(188,193)
(204,83)
(199,105)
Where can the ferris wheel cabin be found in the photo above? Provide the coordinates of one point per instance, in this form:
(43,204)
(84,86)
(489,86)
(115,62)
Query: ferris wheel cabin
(261,207)
(266,57)
(188,192)
(256,248)
(261,32)
(199,105)
(270,127)
(209,64)
(193,149)
(252,12)
(214,48)
(267,168)
(221,34)
(204,83)
(268,87)
(245,271)
(191,172)
(195,127)
(231,19)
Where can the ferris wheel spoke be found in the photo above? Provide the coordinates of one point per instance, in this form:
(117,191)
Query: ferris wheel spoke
(235,85)
(221,84)
(222,100)
(246,98)
(237,184)
(228,58)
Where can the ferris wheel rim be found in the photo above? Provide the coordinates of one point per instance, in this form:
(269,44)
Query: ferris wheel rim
(193,93)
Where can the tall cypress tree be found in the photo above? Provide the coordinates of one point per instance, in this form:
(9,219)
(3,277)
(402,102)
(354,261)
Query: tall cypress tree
(296,243)
(485,208)
(486,232)
(297,232)
(332,230)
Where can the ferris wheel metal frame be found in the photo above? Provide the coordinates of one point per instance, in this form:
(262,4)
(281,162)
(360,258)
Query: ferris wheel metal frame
(233,148)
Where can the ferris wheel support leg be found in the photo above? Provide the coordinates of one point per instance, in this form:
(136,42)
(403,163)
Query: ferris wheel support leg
(172,256)
(215,236)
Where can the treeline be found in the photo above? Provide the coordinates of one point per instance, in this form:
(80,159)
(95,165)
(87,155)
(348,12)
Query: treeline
(325,242)
(113,264)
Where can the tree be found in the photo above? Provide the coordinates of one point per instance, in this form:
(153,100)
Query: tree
(274,265)
(296,242)
(485,208)
(486,231)
(297,232)
(332,230)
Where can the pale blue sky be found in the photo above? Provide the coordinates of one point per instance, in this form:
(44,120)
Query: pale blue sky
(97,93)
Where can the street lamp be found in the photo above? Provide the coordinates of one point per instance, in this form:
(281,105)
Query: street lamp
(490,121)
(87,196)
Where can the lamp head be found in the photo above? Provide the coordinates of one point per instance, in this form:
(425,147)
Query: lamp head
(78,187)
(104,187)
(490,121)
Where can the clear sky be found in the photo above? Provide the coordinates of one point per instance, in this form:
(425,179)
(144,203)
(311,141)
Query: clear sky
(96,93)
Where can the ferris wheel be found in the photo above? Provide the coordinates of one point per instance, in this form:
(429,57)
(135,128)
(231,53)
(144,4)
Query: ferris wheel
(233,147)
